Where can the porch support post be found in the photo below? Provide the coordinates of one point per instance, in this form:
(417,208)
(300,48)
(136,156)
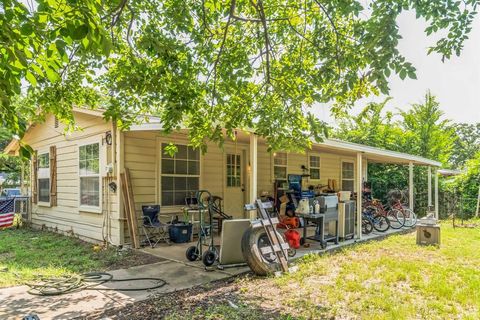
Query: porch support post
(253,167)
(436,194)
(365,169)
(429,187)
(410,185)
(359,195)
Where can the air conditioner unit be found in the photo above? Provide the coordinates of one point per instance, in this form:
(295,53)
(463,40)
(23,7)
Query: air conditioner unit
(346,219)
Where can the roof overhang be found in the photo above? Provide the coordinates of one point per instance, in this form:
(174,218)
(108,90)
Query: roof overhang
(374,154)
(12,148)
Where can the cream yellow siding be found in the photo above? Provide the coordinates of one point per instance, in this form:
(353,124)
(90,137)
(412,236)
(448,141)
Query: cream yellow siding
(67,216)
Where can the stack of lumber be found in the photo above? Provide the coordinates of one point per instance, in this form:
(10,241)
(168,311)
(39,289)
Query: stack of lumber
(129,206)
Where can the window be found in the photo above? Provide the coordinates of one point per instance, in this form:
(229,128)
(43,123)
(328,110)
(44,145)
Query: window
(89,173)
(233,170)
(180,175)
(347,176)
(280,166)
(314,167)
(44,177)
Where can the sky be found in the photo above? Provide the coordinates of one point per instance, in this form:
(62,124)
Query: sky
(456,82)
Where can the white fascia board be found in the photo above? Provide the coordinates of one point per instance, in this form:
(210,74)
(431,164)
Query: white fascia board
(377,151)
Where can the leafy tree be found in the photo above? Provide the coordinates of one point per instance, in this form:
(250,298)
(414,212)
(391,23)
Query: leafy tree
(467,185)
(426,133)
(421,130)
(467,143)
(210,64)
(372,126)
(39,40)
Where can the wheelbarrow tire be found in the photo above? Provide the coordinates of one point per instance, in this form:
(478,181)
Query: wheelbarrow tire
(192,253)
(252,254)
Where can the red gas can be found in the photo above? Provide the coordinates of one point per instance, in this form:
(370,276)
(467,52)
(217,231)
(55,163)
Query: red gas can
(293,238)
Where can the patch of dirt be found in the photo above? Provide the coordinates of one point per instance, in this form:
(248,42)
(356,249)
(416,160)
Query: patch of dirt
(184,304)
(133,258)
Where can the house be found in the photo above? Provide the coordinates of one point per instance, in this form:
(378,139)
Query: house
(76,186)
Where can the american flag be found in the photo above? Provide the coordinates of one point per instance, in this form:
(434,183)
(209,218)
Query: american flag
(6,213)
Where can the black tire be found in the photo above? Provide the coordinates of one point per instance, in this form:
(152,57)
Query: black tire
(367,226)
(302,241)
(291,252)
(192,253)
(251,252)
(209,257)
(381,223)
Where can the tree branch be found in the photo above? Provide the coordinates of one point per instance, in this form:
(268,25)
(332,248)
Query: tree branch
(220,51)
(337,46)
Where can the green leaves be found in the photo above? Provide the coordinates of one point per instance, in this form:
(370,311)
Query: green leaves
(79,32)
(214,64)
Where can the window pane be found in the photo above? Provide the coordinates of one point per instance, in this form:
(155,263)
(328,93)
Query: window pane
(347,185)
(89,156)
(314,161)
(182,152)
(44,190)
(167,198)
(347,170)
(194,167)
(193,154)
(179,198)
(83,167)
(94,151)
(192,184)
(89,191)
(43,160)
(314,173)
(280,158)
(180,183)
(181,166)
(167,183)
(280,172)
(168,166)
(82,153)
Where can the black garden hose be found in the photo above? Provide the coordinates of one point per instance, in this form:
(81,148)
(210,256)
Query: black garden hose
(85,281)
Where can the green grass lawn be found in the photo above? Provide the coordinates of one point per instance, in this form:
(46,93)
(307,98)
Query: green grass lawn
(25,254)
(389,279)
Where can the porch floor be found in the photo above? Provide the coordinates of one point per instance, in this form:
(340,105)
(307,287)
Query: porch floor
(176,251)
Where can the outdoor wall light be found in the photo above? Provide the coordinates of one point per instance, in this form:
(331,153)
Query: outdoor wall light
(108,138)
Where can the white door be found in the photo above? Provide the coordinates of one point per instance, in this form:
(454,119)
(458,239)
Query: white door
(235,182)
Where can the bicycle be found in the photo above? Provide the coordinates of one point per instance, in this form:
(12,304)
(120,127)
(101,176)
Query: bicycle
(395,217)
(410,216)
(396,196)
(379,222)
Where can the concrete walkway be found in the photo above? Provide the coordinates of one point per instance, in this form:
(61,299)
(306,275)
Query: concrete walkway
(15,302)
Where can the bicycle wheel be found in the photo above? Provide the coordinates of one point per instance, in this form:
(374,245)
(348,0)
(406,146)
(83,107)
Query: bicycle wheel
(410,218)
(367,226)
(380,223)
(396,218)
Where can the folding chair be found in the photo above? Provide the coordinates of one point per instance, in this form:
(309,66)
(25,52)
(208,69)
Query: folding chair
(153,229)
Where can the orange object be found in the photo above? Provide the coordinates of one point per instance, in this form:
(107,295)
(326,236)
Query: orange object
(293,238)
(289,223)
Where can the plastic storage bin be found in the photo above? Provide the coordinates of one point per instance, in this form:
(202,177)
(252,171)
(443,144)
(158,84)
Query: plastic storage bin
(180,232)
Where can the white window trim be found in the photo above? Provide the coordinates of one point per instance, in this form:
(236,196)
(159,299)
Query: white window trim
(313,154)
(174,208)
(84,208)
(341,173)
(44,203)
(279,165)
